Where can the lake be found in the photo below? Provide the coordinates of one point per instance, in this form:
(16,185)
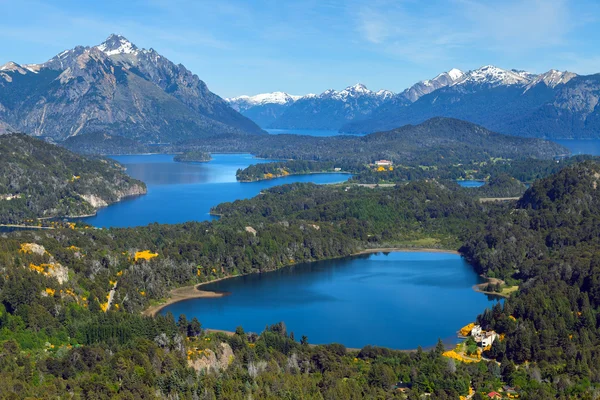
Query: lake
(306,132)
(470,184)
(581,146)
(180,192)
(399,300)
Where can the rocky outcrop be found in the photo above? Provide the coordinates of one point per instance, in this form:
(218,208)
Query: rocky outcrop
(209,361)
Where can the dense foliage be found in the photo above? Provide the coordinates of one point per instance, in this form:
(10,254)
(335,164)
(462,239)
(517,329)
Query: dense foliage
(295,167)
(550,243)
(193,156)
(70,322)
(38,179)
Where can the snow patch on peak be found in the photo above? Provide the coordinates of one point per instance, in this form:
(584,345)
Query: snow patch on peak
(12,66)
(384,94)
(490,74)
(357,88)
(551,78)
(117,44)
(354,91)
(455,74)
(265,98)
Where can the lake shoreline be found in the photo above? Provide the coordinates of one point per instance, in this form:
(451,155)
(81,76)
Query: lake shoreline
(193,292)
(294,174)
(185,293)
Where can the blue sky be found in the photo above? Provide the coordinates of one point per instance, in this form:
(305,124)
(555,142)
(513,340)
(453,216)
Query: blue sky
(250,47)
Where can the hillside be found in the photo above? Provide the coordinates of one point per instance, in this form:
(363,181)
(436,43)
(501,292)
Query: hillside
(114,88)
(40,180)
(437,141)
(57,322)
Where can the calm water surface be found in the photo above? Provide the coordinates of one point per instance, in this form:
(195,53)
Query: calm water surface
(306,132)
(397,300)
(180,192)
(470,184)
(581,146)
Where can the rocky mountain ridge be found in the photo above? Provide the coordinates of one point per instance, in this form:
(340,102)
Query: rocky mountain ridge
(118,89)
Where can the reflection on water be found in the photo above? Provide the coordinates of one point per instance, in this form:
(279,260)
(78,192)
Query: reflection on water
(398,300)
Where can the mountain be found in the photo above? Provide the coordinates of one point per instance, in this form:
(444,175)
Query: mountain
(554,104)
(438,141)
(263,108)
(331,109)
(115,88)
(38,179)
(422,88)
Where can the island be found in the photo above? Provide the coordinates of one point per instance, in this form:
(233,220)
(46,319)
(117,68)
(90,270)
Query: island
(193,156)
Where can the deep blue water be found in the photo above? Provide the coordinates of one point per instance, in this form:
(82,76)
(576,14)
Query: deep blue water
(307,132)
(180,192)
(581,146)
(470,184)
(397,300)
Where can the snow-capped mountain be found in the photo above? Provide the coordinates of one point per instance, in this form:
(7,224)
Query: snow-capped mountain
(242,103)
(332,108)
(263,108)
(117,88)
(494,76)
(422,88)
(555,104)
(551,78)
(266,109)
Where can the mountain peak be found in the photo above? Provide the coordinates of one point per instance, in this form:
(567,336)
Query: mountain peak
(455,73)
(495,76)
(358,88)
(116,44)
(265,98)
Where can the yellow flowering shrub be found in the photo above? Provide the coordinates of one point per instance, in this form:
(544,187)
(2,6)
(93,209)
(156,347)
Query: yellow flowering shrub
(145,255)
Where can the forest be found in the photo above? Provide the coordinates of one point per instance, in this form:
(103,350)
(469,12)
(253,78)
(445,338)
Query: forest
(193,156)
(71,297)
(41,180)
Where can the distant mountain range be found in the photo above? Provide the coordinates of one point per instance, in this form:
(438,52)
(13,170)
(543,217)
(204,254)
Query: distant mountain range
(329,110)
(554,104)
(114,88)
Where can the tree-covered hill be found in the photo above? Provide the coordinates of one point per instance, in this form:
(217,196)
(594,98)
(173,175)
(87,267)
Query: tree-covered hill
(40,180)
(550,245)
(433,142)
(70,298)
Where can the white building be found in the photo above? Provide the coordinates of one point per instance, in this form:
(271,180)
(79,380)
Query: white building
(484,338)
(383,163)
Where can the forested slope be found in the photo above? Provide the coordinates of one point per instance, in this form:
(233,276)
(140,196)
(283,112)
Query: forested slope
(59,332)
(551,243)
(38,179)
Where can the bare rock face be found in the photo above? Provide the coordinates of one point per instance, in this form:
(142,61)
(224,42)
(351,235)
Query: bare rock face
(51,268)
(210,361)
(118,89)
(94,200)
